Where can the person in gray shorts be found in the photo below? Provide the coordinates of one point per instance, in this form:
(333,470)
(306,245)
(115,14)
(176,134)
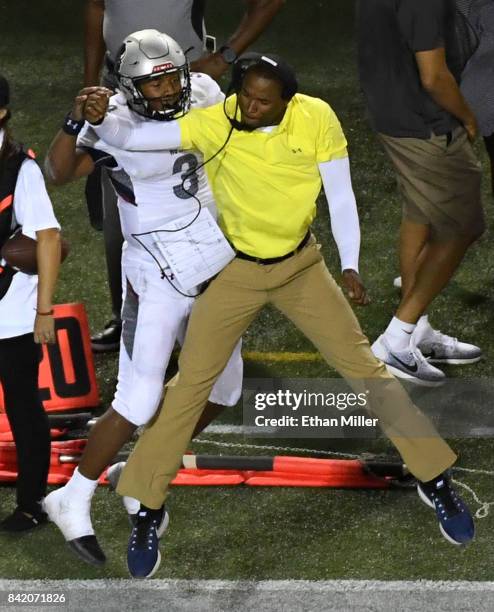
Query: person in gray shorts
(107,23)
(409,72)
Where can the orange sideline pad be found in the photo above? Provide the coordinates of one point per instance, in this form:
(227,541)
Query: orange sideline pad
(67,379)
(287,472)
(290,472)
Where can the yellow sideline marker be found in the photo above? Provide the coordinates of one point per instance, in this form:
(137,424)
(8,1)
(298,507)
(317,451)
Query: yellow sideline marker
(281,356)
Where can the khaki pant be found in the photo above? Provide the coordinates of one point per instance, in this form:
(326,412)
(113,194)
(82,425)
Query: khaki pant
(301,288)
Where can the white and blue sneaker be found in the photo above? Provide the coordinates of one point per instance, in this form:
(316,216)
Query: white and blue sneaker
(409,364)
(455,520)
(143,554)
(440,348)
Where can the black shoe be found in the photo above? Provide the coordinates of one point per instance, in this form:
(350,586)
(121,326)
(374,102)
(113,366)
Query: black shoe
(88,549)
(455,520)
(109,339)
(23,521)
(74,521)
(143,555)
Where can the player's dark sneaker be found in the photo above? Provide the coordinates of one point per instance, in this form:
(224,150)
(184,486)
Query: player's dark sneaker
(143,555)
(455,520)
(109,339)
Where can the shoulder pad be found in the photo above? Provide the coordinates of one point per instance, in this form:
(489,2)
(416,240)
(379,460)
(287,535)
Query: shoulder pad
(205,91)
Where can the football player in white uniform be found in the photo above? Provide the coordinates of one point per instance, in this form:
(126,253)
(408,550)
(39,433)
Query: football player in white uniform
(153,188)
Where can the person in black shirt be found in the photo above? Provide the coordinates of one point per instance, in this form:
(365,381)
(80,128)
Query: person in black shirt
(477,79)
(409,67)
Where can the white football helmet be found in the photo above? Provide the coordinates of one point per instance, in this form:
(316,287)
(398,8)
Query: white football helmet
(147,54)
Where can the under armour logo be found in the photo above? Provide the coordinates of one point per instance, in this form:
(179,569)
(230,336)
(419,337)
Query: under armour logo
(299,150)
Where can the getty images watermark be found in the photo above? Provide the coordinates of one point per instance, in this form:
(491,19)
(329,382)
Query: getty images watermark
(306,408)
(301,401)
(332,408)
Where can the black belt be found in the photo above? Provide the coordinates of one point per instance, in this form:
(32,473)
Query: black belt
(273,260)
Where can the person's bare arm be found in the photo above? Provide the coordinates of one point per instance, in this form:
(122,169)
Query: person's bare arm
(438,81)
(94,44)
(48,248)
(258,15)
(64,162)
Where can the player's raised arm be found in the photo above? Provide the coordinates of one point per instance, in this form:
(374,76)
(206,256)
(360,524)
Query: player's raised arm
(345,224)
(144,136)
(64,162)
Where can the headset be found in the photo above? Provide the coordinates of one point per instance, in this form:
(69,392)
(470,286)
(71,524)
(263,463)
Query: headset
(275,65)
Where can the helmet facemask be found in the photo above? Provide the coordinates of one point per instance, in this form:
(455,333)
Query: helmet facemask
(142,105)
(145,55)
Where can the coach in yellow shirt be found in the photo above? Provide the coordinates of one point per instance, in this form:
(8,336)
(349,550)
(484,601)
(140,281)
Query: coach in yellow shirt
(266,213)
(269,150)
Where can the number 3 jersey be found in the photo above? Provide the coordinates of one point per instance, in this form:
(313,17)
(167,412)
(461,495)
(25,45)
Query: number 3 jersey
(154,187)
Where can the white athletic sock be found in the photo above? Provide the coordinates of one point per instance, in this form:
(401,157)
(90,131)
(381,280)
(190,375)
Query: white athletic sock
(423,331)
(398,334)
(80,487)
(131,504)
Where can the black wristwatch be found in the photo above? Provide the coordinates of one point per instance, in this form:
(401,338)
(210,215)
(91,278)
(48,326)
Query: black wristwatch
(228,54)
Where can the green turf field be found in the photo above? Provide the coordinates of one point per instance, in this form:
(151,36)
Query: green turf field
(243,533)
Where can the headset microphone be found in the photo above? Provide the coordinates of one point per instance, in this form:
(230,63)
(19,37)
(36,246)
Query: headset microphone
(276,65)
(241,127)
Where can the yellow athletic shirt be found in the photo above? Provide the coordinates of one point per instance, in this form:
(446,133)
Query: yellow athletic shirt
(266,182)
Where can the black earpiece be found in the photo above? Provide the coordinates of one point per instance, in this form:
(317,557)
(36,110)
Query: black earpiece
(274,63)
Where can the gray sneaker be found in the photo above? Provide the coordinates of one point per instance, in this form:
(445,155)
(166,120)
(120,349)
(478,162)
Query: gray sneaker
(409,364)
(440,348)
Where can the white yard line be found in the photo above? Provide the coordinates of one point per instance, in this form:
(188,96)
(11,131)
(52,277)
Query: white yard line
(261,596)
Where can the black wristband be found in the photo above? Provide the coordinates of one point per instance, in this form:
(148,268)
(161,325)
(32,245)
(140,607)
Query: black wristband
(71,126)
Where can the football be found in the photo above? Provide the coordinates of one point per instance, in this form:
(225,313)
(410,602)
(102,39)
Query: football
(20,252)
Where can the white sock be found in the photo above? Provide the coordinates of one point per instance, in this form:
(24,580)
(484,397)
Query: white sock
(398,334)
(80,487)
(424,330)
(131,504)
